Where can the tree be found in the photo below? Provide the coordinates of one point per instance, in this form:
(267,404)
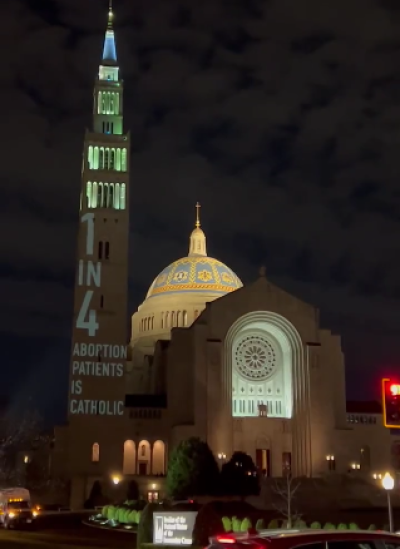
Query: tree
(239,476)
(192,470)
(286,489)
(20,433)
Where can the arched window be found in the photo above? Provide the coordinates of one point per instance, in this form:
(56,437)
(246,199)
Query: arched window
(101,158)
(118,166)
(111,195)
(112,159)
(100,195)
(116,199)
(123,160)
(90,157)
(172,319)
(95,452)
(122,205)
(178,318)
(105,197)
(185,318)
(106,159)
(89,194)
(166,320)
(162,320)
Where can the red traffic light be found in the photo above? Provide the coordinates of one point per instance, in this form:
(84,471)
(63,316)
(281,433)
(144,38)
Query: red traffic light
(391,403)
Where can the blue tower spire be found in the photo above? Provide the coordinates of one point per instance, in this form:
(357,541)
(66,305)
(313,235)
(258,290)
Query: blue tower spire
(110,50)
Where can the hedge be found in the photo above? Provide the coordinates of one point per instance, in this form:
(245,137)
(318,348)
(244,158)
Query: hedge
(236,525)
(127,513)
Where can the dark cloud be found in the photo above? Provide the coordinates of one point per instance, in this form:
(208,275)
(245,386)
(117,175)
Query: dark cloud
(281,117)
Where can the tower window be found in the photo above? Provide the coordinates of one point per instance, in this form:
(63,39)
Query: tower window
(100,251)
(107,251)
(101,301)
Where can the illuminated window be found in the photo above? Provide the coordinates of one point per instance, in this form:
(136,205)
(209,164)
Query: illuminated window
(118,162)
(143,450)
(152,496)
(95,452)
(122,205)
(99,103)
(100,195)
(116,199)
(123,162)
(89,194)
(101,158)
(90,157)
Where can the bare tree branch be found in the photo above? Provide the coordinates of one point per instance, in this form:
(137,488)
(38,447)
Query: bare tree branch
(286,489)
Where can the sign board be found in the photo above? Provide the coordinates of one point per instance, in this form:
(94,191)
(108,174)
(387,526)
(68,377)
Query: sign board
(173,527)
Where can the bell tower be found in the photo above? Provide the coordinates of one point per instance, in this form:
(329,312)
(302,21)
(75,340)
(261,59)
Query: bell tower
(99,335)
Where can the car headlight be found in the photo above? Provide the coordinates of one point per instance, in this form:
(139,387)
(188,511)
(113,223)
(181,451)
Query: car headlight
(11,515)
(35,513)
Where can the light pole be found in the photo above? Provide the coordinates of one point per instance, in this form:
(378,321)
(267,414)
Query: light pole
(388,485)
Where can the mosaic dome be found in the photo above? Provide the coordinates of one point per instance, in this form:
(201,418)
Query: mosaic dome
(195,273)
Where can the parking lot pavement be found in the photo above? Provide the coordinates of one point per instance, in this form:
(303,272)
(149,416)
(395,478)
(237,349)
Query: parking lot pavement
(70,534)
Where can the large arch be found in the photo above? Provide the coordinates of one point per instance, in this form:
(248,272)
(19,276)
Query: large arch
(280,343)
(144,458)
(278,336)
(158,466)
(129,462)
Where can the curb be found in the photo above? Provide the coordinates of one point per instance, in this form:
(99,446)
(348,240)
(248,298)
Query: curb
(100,527)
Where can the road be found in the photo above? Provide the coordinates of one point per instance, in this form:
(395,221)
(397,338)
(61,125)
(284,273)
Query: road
(66,532)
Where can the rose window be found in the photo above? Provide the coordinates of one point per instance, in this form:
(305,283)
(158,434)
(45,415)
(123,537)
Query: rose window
(255,358)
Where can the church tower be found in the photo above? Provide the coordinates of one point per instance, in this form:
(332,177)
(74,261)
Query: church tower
(96,387)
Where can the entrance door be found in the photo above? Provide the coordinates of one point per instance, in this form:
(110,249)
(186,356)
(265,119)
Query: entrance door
(286,463)
(142,468)
(263,461)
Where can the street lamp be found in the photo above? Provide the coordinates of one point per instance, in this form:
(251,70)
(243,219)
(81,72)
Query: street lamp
(388,485)
(116,479)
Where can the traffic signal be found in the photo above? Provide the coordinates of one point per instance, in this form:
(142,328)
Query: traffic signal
(391,403)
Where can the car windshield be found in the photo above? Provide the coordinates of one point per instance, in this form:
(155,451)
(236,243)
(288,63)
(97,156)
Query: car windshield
(18,505)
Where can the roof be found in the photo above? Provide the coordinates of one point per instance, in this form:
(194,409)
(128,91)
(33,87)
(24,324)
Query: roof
(201,274)
(363,407)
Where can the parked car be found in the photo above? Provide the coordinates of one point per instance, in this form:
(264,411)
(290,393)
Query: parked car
(307,539)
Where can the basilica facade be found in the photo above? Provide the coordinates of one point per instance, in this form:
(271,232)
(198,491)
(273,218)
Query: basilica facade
(243,367)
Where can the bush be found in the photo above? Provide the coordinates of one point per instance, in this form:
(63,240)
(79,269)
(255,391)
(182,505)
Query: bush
(227,524)
(246,524)
(192,470)
(353,526)
(145,528)
(236,525)
(208,523)
(273,524)
(315,525)
(300,524)
(342,526)
(329,526)
(260,524)
(372,527)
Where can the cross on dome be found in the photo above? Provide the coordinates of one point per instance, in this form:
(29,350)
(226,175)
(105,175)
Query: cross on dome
(198,206)
(197,244)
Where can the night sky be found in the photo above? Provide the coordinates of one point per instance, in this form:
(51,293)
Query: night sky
(282,117)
